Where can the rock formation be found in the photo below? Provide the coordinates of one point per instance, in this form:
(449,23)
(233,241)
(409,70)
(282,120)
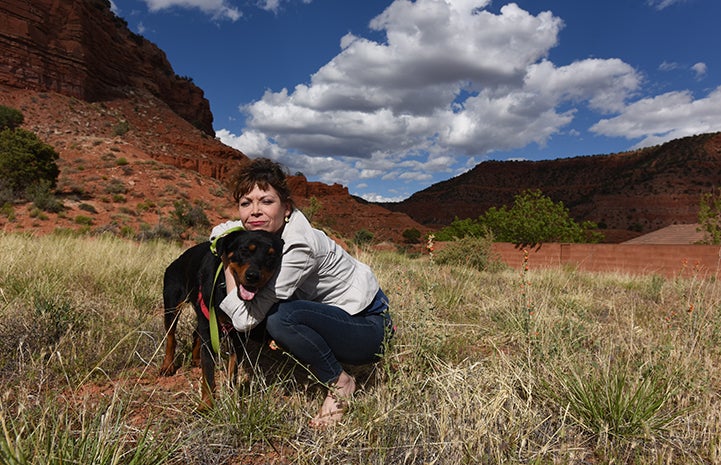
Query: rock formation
(81,49)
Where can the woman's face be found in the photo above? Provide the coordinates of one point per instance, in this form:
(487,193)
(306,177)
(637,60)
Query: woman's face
(263,209)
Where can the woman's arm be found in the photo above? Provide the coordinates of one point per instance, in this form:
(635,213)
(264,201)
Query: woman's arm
(246,314)
(297,264)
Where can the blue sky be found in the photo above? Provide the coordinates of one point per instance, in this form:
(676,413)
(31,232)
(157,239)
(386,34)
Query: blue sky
(389,97)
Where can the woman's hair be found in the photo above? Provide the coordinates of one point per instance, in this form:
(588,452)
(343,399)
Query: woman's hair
(261,172)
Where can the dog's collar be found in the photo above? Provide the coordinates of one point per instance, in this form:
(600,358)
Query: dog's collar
(213,243)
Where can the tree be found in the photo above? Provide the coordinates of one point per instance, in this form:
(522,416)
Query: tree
(458,229)
(534,219)
(25,161)
(709,217)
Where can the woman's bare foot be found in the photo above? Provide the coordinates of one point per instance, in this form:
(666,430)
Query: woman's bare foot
(336,402)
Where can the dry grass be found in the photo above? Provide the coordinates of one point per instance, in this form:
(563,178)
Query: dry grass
(537,366)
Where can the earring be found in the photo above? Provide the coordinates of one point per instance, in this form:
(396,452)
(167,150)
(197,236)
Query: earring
(287,219)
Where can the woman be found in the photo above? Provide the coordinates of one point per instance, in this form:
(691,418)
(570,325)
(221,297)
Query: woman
(324,306)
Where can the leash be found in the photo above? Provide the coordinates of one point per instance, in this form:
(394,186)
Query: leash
(214,334)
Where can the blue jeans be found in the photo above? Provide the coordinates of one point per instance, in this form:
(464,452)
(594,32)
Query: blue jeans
(324,336)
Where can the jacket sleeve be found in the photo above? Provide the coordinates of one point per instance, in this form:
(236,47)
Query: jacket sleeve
(246,315)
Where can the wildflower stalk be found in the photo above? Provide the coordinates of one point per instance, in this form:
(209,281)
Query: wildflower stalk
(528,308)
(430,245)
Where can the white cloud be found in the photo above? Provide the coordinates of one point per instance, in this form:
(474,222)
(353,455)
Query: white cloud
(218,9)
(661,4)
(450,84)
(700,69)
(668,66)
(275,5)
(665,117)
(451,80)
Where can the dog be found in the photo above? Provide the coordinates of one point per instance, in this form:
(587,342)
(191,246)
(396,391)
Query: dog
(253,257)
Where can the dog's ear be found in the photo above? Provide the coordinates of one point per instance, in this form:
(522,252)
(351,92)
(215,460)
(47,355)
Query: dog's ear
(220,245)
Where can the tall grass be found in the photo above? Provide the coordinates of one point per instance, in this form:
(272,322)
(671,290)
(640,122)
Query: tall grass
(530,366)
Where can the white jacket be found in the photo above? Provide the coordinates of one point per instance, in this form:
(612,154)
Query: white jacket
(314,267)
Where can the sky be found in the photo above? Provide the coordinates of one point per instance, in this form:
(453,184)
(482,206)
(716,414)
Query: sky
(390,97)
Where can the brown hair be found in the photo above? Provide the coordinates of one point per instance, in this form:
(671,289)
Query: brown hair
(261,172)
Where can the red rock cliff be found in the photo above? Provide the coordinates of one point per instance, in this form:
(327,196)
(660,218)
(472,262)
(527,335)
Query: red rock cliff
(81,49)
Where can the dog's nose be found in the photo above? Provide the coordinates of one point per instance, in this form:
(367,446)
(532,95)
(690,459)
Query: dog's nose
(252,276)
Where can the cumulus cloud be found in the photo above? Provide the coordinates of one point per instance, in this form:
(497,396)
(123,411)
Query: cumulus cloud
(664,117)
(700,69)
(218,9)
(450,81)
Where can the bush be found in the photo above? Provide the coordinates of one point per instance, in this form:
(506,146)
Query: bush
(186,215)
(363,237)
(41,195)
(121,128)
(10,118)
(473,252)
(7,210)
(25,160)
(709,217)
(412,236)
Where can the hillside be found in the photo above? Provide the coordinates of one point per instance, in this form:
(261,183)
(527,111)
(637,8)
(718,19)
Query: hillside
(133,137)
(626,193)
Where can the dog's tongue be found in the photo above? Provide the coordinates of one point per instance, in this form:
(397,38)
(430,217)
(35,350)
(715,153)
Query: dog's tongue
(245,294)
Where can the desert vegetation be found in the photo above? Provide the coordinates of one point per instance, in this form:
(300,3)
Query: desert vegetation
(492,365)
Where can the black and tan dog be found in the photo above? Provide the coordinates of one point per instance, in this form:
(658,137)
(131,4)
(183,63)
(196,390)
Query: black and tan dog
(196,277)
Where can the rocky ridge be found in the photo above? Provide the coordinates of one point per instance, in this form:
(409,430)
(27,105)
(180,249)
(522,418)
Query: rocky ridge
(627,193)
(83,50)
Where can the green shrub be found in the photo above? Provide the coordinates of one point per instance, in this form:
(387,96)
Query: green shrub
(160,231)
(84,220)
(41,195)
(363,237)
(10,118)
(87,207)
(412,236)
(473,252)
(709,217)
(7,210)
(116,186)
(26,160)
(121,128)
(186,215)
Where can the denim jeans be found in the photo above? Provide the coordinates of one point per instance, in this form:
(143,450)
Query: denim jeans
(324,336)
